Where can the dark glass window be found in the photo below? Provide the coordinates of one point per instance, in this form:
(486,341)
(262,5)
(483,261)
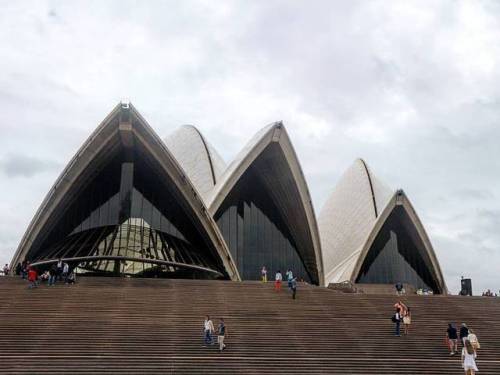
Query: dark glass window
(398,255)
(129,208)
(256,233)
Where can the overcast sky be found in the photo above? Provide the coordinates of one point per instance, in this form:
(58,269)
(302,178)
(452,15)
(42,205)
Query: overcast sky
(412,87)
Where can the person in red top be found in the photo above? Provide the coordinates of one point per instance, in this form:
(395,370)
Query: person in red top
(32,277)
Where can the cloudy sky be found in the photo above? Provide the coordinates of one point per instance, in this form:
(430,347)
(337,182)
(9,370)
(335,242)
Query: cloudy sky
(412,87)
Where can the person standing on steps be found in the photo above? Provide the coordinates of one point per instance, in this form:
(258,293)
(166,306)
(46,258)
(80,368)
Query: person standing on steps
(263,274)
(289,278)
(221,335)
(407,320)
(60,267)
(65,272)
(396,318)
(277,281)
(208,330)
(294,287)
(52,274)
(451,334)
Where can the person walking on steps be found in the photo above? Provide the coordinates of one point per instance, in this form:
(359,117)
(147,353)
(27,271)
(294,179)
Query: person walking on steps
(451,335)
(32,277)
(221,335)
(208,328)
(263,274)
(396,318)
(473,340)
(277,281)
(464,333)
(294,287)
(469,358)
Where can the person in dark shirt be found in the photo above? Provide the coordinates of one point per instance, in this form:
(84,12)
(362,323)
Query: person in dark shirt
(451,334)
(464,332)
(221,334)
(294,287)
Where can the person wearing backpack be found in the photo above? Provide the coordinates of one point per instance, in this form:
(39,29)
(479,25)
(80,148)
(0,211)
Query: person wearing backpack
(396,318)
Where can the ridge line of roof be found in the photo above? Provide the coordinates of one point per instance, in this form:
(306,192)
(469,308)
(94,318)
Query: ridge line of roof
(371,186)
(207,150)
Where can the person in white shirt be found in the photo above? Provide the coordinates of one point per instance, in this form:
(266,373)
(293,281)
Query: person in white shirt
(65,272)
(208,327)
(289,277)
(277,281)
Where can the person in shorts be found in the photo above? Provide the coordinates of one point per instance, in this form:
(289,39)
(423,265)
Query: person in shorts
(451,335)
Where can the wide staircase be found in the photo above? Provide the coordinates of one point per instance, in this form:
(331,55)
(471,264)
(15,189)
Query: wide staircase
(112,325)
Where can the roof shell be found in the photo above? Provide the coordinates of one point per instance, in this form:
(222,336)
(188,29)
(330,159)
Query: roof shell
(275,133)
(353,216)
(348,217)
(200,161)
(101,138)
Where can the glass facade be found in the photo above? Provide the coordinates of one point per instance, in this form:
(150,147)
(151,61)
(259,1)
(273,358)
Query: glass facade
(130,215)
(256,233)
(398,255)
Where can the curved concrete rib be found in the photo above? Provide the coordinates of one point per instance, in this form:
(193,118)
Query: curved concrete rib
(302,224)
(107,135)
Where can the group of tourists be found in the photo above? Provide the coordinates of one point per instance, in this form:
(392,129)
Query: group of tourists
(470,345)
(278,278)
(209,331)
(58,272)
(402,314)
(489,293)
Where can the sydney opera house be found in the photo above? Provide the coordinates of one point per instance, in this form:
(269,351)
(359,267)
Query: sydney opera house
(130,203)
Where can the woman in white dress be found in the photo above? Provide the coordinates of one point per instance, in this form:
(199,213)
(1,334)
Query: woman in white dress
(469,358)
(473,340)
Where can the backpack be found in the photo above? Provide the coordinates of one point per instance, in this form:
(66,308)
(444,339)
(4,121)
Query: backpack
(394,319)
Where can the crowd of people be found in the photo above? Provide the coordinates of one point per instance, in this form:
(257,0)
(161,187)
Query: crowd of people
(58,272)
(469,343)
(489,293)
(465,335)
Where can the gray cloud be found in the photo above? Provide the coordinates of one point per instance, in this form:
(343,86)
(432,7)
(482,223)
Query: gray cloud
(25,166)
(411,87)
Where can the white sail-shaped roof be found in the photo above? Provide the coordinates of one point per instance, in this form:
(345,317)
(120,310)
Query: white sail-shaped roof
(348,217)
(353,216)
(124,125)
(201,162)
(285,193)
